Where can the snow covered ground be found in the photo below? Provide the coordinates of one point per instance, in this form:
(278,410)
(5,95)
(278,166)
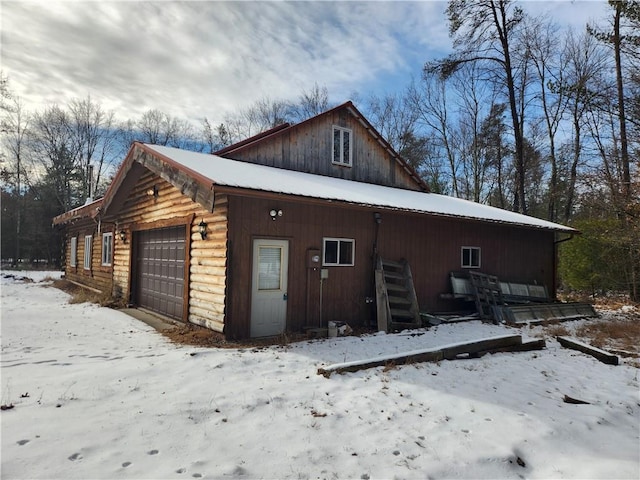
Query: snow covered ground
(98,394)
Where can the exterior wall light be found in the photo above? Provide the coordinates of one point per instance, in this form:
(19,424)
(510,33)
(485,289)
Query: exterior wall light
(123,236)
(202,229)
(377,217)
(153,191)
(275,213)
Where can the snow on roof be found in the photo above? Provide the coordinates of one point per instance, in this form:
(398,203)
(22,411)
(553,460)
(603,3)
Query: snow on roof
(233,173)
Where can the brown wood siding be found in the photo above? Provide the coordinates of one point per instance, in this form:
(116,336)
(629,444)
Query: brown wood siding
(206,262)
(308,148)
(98,277)
(430,244)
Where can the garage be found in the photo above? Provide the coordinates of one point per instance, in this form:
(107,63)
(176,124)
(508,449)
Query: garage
(160,270)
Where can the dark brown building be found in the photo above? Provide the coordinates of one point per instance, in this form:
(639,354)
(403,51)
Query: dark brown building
(281,231)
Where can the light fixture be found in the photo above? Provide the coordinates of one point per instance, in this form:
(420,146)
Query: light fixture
(123,236)
(153,191)
(377,217)
(202,229)
(275,213)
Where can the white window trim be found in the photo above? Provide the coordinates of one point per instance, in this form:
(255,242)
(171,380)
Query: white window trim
(73,253)
(338,264)
(341,160)
(107,253)
(88,242)
(462,249)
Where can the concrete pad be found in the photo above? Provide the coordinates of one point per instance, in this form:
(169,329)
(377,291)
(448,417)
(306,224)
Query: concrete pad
(154,320)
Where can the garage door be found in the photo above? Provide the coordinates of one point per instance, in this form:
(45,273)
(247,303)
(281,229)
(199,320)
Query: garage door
(160,270)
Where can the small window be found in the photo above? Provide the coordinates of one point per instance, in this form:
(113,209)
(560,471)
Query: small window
(88,240)
(342,146)
(338,252)
(470,257)
(73,254)
(107,249)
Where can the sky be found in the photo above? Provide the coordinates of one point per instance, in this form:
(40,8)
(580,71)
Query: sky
(98,394)
(206,59)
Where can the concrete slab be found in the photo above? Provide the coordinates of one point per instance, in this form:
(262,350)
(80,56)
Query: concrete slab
(156,321)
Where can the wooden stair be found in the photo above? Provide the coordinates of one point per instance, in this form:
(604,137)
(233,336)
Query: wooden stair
(397,304)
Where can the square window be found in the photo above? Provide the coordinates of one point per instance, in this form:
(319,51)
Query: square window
(338,252)
(470,257)
(73,254)
(107,249)
(342,151)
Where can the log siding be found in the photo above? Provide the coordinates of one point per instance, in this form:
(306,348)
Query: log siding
(205,260)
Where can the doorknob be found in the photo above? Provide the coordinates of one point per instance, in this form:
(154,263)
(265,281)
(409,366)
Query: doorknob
(284,297)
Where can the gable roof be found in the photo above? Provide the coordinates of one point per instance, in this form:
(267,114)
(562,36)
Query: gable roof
(348,106)
(226,175)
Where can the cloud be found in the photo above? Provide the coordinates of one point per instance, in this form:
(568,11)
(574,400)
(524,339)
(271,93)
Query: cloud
(197,59)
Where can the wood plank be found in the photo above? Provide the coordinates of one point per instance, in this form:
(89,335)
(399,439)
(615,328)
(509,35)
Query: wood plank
(602,355)
(449,352)
(382,304)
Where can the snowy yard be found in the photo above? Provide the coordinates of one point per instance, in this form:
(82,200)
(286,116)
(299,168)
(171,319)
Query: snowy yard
(100,395)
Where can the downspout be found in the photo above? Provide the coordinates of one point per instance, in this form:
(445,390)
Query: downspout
(555,262)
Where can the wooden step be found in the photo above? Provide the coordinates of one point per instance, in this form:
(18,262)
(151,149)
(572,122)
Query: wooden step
(391,264)
(399,301)
(397,305)
(397,313)
(396,288)
(394,275)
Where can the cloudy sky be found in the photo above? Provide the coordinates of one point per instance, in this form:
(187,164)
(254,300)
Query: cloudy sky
(206,58)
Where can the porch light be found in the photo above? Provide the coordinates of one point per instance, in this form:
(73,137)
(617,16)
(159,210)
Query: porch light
(153,191)
(377,217)
(202,229)
(123,236)
(275,213)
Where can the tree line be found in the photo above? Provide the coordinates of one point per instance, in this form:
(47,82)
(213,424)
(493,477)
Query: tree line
(523,115)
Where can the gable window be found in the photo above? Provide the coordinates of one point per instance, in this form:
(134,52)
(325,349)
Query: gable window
(338,252)
(88,240)
(73,254)
(342,146)
(470,257)
(107,249)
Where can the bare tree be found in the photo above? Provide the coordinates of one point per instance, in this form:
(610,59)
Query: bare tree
(159,128)
(583,63)
(55,155)
(95,138)
(310,103)
(15,128)
(485,31)
(541,38)
(431,105)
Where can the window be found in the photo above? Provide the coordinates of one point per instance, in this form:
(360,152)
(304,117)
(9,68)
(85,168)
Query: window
(73,255)
(88,240)
(341,146)
(470,257)
(107,249)
(269,268)
(338,252)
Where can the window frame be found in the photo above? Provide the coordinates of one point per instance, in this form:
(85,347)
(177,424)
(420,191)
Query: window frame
(341,161)
(73,251)
(471,263)
(88,244)
(338,262)
(107,253)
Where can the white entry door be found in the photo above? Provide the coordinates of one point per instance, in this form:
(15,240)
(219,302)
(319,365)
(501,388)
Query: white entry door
(269,287)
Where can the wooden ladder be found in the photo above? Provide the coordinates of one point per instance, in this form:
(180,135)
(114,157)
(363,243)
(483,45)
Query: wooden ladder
(396,301)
